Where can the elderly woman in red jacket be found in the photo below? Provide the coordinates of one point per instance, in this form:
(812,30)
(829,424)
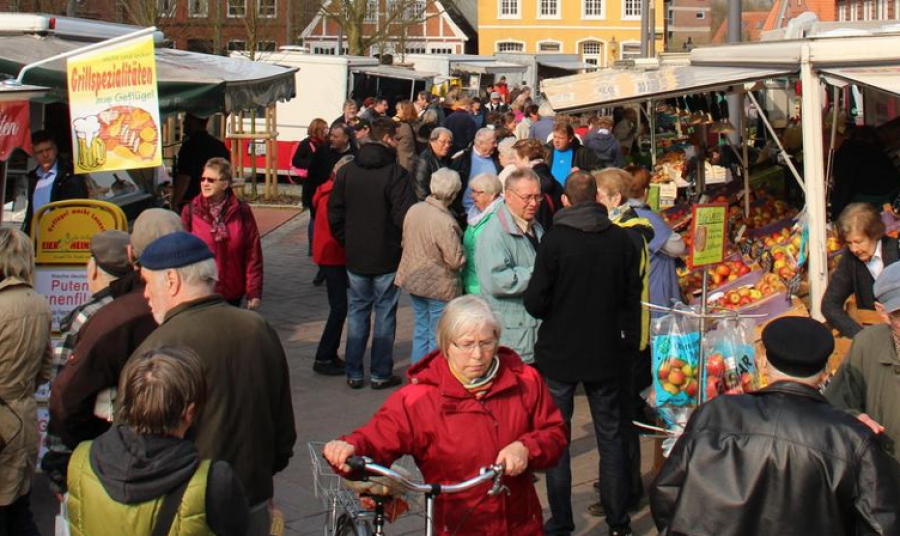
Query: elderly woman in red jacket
(227,226)
(469,404)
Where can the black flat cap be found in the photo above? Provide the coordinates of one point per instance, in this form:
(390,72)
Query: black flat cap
(798,346)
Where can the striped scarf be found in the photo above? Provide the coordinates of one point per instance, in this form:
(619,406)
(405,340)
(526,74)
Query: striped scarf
(479,387)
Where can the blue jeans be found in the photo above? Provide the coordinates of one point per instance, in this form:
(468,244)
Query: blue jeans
(368,292)
(604,401)
(428,311)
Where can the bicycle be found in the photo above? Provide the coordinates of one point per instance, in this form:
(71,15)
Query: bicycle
(355,521)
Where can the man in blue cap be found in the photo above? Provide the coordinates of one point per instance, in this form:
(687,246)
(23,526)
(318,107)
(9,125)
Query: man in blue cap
(248,420)
(780,460)
(868,382)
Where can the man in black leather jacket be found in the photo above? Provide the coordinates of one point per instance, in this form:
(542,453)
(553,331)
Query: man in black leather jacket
(436,156)
(781,460)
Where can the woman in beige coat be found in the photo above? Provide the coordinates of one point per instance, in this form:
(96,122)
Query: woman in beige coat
(25,359)
(432,259)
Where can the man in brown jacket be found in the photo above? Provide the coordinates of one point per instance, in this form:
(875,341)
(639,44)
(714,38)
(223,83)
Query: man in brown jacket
(248,418)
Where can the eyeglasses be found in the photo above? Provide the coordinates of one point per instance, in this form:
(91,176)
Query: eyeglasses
(210,180)
(477,192)
(536,198)
(486,346)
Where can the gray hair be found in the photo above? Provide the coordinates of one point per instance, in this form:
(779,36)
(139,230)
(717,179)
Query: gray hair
(430,116)
(445,184)
(16,255)
(203,273)
(545,109)
(436,133)
(462,315)
(520,175)
(487,183)
(485,133)
(505,147)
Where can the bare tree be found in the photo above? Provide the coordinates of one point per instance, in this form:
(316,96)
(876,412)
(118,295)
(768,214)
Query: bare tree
(368,23)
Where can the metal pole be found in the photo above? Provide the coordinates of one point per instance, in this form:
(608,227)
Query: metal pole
(814,178)
(2,189)
(746,163)
(651,31)
(734,36)
(82,50)
(651,106)
(701,357)
(787,158)
(645,15)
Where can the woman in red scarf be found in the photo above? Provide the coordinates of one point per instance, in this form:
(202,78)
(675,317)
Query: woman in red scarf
(227,226)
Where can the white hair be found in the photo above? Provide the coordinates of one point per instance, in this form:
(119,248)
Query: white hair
(484,133)
(436,133)
(445,184)
(203,273)
(505,147)
(520,175)
(462,315)
(487,183)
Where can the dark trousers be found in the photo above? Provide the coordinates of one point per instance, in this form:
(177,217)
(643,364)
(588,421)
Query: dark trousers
(310,229)
(605,403)
(336,283)
(16,518)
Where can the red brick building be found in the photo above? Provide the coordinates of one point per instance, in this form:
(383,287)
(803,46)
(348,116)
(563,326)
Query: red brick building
(688,22)
(860,10)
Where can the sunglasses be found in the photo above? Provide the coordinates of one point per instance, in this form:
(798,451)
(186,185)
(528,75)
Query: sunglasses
(209,180)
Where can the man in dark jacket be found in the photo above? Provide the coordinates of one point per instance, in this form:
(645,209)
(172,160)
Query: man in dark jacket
(605,146)
(199,147)
(133,470)
(52,180)
(248,420)
(461,124)
(436,156)
(482,157)
(780,460)
(585,264)
(370,198)
(567,155)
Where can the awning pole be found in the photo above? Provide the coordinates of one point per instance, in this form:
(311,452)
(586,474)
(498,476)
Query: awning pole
(651,120)
(787,158)
(814,173)
(834,119)
(82,50)
(745,138)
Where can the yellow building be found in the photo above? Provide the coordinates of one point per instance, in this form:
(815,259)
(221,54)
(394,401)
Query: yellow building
(601,31)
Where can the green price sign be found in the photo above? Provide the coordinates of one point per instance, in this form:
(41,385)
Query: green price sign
(708,231)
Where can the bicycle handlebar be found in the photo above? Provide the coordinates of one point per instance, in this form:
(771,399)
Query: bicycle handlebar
(365,464)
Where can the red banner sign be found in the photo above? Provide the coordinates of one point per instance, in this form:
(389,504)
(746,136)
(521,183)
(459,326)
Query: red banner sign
(14,128)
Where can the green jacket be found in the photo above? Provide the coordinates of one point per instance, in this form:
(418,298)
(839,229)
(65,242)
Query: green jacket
(504,260)
(476,224)
(869,382)
(93,513)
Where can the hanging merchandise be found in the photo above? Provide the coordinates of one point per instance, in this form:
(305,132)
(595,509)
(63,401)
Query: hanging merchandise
(730,358)
(676,354)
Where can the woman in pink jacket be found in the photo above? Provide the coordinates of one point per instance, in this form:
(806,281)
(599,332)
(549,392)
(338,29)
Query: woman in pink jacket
(227,226)
(469,404)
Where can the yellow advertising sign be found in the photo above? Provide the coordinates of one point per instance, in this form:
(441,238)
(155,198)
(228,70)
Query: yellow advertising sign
(709,234)
(63,230)
(114,105)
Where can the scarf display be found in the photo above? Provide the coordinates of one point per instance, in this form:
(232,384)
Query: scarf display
(479,386)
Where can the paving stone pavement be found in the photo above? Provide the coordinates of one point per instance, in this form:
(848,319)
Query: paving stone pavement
(325,408)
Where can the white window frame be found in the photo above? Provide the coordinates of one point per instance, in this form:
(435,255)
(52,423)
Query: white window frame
(274,9)
(441,50)
(636,5)
(273,45)
(372,7)
(557,44)
(203,10)
(598,58)
(511,3)
(233,14)
(868,9)
(584,10)
(167,8)
(557,9)
(633,46)
(520,45)
(700,15)
(228,45)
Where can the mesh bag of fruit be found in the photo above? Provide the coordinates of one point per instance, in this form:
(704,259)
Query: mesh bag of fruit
(676,353)
(730,358)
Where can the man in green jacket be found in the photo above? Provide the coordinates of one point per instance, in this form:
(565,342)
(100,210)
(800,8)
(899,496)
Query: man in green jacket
(868,382)
(249,418)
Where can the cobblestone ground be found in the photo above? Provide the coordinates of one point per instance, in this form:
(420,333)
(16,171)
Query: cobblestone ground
(325,407)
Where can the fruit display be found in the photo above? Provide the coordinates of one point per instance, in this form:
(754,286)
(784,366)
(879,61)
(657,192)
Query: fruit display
(677,217)
(765,211)
(677,376)
(749,295)
(784,261)
(675,348)
(730,358)
(719,274)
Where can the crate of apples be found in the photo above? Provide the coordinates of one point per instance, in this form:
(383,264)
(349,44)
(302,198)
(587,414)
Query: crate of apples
(750,295)
(720,274)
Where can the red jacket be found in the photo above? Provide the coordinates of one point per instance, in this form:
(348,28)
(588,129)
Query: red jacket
(451,435)
(326,250)
(239,257)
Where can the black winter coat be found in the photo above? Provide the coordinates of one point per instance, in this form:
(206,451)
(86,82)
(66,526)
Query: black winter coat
(463,126)
(852,278)
(586,288)
(427,164)
(778,461)
(320,169)
(366,209)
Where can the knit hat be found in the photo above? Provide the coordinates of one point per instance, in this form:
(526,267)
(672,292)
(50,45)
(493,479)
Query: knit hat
(110,252)
(887,288)
(174,251)
(797,345)
(150,225)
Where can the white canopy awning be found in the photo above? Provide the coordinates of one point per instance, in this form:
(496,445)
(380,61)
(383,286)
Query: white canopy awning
(389,71)
(487,67)
(604,88)
(9,92)
(567,65)
(885,78)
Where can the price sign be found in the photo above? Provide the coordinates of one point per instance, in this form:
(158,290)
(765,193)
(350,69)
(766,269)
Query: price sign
(708,230)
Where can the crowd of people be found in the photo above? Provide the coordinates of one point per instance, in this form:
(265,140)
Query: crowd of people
(526,254)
